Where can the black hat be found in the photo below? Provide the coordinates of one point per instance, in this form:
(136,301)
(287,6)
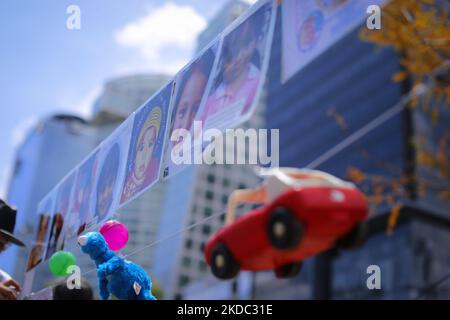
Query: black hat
(8,222)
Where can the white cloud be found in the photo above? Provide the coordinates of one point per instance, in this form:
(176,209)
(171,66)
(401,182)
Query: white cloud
(84,106)
(79,104)
(20,131)
(165,38)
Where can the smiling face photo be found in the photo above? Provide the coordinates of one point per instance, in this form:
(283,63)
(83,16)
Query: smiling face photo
(191,85)
(238,74)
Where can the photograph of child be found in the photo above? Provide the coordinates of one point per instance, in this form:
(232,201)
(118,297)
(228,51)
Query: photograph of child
(106,183)
(238,74)
(37,251)
(62,203)
(81,212)
(146,147)
(190,90)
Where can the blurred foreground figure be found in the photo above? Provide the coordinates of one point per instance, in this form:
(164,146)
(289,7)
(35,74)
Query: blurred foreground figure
(62,292)
(9,288)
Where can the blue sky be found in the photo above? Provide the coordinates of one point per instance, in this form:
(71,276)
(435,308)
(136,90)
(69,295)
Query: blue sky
(47,68)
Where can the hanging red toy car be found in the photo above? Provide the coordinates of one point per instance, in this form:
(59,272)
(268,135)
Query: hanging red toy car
(305,212)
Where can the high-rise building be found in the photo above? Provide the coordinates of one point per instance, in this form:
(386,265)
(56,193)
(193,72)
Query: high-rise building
(339,92)
(51,149)
(229,12)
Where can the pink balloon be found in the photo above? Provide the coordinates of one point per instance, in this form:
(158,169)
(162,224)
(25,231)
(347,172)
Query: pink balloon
(115,234)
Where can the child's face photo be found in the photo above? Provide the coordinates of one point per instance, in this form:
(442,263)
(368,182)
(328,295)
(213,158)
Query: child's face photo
(144,151)
(106,182)
(190,98)
(105,197)
(239,52)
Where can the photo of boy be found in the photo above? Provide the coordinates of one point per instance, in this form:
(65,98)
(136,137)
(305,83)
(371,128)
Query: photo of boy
(146,145)
(81,205)
(106,183)
(63,196)
(190,90)
(238,74)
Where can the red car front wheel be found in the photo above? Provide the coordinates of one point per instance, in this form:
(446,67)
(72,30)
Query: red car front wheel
(283,229)
(223,265)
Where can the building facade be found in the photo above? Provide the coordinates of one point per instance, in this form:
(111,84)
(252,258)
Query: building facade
(38,167)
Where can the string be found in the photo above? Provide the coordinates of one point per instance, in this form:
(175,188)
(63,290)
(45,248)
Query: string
(151,244)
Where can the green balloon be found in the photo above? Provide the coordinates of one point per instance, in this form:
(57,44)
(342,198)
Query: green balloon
(60,261)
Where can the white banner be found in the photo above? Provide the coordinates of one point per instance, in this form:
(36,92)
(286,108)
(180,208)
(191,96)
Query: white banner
(309,27)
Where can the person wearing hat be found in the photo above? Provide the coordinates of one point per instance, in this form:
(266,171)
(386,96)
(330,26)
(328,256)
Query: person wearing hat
(8,286)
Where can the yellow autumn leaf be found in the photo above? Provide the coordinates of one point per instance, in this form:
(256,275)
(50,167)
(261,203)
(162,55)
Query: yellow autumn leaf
(399,76)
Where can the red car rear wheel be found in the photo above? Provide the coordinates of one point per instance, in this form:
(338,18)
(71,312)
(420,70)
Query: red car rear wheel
(284,230)
(223,265)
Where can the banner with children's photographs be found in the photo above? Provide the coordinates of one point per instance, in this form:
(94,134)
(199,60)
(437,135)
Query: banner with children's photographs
(309,27)
(146,145)
(190,91)
(220,88)
(243,60)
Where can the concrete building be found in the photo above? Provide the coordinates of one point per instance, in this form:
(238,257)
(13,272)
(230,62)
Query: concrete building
(39,166)
(352,80)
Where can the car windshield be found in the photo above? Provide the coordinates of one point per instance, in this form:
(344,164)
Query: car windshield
(281,179)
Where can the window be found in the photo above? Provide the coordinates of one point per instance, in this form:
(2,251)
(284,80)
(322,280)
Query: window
(17,166)
(186,262)
(202,265)
(209,195)
(208,212)
(211,178)
(224,199)
(183,280)
(188,243)
(226,183)
(202,247)
(206,229)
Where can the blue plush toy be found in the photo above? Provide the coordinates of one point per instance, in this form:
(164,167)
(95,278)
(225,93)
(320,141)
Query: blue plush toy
(124,279)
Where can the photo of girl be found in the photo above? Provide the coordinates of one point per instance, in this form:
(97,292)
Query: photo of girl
(37,251)
(147,138)
(106,183)
(238,75)
(63,196)
(190,90)
(81,204)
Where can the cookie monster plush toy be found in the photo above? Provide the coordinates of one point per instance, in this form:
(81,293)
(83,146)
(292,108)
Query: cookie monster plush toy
(124,279)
